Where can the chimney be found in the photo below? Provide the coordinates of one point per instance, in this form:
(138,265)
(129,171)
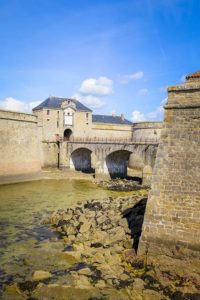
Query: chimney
(122,117)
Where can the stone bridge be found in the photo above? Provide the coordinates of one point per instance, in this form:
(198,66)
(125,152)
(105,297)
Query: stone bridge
(109,158)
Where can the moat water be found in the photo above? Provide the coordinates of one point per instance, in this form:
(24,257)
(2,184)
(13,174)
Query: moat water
(26,244)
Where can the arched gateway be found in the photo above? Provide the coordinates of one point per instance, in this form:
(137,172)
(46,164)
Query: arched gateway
(67,134)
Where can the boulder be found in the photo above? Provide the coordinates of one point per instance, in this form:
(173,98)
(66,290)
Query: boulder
(41,275)
(85,227)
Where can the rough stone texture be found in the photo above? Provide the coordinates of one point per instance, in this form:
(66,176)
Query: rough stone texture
(49,154)
(19,147)
(147,130)
(173,211)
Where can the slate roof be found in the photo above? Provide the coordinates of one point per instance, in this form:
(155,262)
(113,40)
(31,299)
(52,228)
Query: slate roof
(55,102)
(109,119)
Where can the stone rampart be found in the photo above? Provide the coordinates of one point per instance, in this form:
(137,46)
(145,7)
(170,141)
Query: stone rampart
(19,147)
(172,217)
(147,130)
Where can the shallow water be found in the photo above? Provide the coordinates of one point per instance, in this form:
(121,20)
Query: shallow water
(26,244)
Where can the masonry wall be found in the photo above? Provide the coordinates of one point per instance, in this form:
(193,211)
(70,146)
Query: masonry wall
(82,124)
(101,130)
(172,215)
(148,130)
(49,154)
(19,147)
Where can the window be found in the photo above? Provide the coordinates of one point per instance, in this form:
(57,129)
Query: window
(87,115)
(48,112)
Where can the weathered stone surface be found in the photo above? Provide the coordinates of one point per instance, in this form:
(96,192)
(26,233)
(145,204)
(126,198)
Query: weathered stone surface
(41,275)
(172,217)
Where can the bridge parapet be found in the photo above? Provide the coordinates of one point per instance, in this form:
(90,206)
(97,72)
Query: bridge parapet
(94,140)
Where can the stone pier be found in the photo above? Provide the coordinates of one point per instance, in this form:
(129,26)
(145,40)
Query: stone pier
(172,218)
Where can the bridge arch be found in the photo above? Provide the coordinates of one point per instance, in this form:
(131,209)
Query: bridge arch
(117,163)
(80,160)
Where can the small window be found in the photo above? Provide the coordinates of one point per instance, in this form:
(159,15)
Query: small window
(87,115)
(47,119)
(48,112)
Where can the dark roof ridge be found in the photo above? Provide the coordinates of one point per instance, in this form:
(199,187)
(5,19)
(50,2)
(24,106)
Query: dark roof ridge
(110,119)
(55,102)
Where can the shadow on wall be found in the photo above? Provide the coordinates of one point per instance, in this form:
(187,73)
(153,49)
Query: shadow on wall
(135,217)
(81,159)
(117,163)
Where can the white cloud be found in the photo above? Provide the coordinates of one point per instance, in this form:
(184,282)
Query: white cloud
(101,86)
(155,115)
(131,77)
(137,116)
(90,100)
(13,104)
(182,79)
(143,92)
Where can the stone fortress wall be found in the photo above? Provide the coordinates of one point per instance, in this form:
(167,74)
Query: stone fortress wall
(19,147)
(147,130)
(172,217)
(58,115)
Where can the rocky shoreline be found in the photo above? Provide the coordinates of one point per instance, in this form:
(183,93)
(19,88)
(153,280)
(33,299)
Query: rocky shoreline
(100,239)
(102,236)
(122,185)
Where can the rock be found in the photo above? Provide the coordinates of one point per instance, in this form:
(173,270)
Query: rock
(41,275)
(98,258)
(129,255)
(72,255)
(113,259)
(100,284)
(82,282)
(85,271)
(152,295)
(115,235)
(139,283)
(82,219)
(85,227)
(101,219)
(128,244)
(70,229)
(100,236)
(107,271)
(67,216)
(124,277)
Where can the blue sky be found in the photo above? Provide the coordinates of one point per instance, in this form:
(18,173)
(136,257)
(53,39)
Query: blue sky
(113,55)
